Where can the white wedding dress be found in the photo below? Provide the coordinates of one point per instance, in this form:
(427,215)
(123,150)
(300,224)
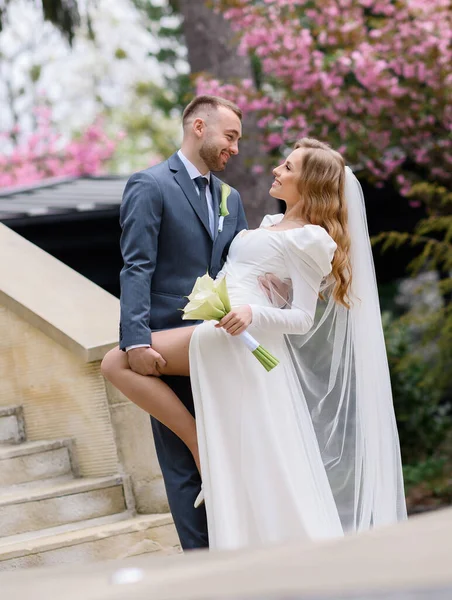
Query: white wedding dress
(264,479)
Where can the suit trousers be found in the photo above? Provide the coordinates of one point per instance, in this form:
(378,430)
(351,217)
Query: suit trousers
(181,476)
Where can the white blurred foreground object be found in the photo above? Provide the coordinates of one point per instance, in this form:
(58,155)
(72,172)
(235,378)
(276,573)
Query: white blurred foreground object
(408,561)
(127,576)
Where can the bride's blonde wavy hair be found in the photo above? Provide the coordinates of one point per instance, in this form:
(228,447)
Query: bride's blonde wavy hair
(321,186)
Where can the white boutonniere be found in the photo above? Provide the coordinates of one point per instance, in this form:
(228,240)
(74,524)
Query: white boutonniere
(225,193)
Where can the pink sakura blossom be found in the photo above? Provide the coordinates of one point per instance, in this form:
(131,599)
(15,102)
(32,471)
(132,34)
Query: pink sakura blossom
(45,154)
(372,77)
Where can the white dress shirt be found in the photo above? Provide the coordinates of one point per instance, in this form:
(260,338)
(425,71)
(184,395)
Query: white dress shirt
(193,173)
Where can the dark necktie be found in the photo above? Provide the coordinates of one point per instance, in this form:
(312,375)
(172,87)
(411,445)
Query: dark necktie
(202,183)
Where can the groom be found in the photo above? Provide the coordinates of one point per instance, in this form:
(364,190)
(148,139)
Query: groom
(172,234)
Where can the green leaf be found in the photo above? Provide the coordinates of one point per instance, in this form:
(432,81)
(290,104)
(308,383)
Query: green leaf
(120,54)
(35,73)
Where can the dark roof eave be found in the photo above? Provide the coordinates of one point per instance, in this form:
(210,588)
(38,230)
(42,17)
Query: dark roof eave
(53,182)
(86,215)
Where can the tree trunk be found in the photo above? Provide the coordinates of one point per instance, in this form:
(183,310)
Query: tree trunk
(211,48)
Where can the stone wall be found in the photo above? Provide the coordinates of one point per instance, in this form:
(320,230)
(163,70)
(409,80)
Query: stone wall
(56,326)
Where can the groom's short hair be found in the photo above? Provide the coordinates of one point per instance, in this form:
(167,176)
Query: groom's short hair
(205,102)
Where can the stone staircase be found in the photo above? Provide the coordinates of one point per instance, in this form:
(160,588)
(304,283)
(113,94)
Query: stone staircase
(49,515)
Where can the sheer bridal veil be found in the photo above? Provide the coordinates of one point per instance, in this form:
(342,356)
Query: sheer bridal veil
(342,368)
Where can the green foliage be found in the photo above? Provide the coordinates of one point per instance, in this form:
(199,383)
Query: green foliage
(431,472)
(120,54)
(64,14)
(165,23)
(423,419)
(419,346)
(35,72)
(256,67)
(433,235)
(428,484)
(149,135)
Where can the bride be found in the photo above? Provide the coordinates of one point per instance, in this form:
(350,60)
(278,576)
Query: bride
(309,449)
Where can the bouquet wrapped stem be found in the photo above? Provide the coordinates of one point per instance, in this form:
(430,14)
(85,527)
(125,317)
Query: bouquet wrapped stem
(267,360)
(209,301)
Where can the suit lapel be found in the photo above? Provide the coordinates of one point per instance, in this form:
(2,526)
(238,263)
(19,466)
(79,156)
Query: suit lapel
(188,187)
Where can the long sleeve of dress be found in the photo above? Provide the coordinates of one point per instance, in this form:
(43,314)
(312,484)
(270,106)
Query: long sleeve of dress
(308,252)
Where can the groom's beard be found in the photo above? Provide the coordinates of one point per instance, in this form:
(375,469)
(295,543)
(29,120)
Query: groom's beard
(212,157)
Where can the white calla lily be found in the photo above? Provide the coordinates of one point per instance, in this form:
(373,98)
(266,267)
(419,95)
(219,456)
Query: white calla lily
(202,284)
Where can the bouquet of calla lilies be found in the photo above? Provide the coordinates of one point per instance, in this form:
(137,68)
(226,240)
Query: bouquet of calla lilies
(209,301)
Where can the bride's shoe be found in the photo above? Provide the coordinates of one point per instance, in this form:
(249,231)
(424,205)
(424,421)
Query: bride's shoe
(199,499)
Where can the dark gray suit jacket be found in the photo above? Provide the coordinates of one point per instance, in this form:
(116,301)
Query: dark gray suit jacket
(166,244)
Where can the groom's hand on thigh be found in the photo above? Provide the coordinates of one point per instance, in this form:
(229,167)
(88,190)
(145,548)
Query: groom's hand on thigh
(146,361)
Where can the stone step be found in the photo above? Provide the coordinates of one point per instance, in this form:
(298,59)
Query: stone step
(118,536)
(49,503)
(33,461)
(12,425)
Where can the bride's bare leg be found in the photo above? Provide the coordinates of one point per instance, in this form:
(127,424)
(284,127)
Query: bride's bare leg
(151,393)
